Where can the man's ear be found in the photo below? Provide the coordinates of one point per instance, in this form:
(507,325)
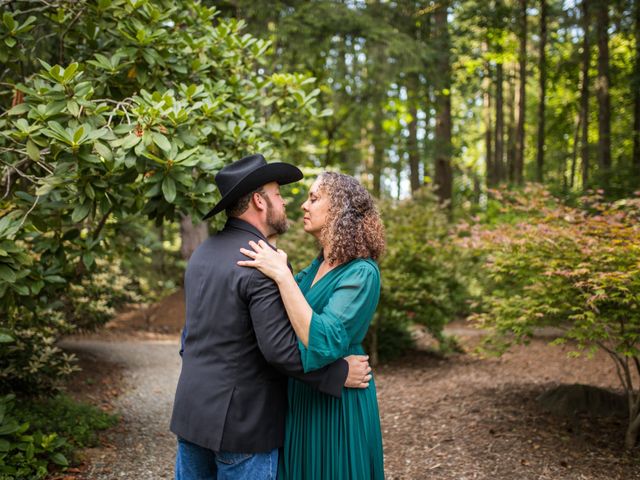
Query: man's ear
(258,201)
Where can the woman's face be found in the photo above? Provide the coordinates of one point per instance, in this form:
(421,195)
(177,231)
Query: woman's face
(316,210)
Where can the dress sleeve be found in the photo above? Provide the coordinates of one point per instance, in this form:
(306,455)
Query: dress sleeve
(301,274)
(348,312)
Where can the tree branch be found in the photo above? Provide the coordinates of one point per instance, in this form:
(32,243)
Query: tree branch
(102,223)
(618,363)
(630,393)
(7,176)
(27,214)
(66,30)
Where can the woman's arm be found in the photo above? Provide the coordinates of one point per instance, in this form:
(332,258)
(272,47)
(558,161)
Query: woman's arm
(296,306)
(274,265)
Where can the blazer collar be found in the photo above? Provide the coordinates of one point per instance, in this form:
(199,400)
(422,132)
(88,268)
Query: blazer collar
(238,224)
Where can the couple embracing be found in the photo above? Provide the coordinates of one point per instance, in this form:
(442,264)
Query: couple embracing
(274,380)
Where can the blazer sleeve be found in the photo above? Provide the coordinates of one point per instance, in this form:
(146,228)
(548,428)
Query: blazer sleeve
(278,342)
(183,335)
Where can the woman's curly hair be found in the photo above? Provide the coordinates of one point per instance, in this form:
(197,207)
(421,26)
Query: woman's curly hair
(353,228)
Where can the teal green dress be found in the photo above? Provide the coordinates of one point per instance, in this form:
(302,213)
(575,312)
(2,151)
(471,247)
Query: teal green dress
(326,437)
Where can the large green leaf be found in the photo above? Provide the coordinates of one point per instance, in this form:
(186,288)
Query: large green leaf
(161,141)
(21,290)
(9,428)
(80,212)
(88,259)
(33,151)
(58,132)
(8,21)
(169,189)
(128,142)
(54,279)
(70,72)
(103,150)
(19,109)
(59,459)
(7,274)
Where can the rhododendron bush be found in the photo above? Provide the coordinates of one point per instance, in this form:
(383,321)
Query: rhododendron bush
(126,117)
(572,267)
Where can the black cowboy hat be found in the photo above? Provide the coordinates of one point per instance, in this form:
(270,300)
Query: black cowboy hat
(246,175)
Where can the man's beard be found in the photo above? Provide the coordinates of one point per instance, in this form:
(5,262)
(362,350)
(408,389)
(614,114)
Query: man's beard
(278,224)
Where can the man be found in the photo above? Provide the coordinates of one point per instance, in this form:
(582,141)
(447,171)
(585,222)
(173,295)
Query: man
(238,344)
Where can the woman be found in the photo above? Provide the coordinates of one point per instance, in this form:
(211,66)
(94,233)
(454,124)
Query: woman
(330,305)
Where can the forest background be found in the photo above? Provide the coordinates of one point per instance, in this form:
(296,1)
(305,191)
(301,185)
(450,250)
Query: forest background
(116,115)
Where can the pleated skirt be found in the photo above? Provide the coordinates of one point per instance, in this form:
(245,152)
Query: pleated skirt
(332,439)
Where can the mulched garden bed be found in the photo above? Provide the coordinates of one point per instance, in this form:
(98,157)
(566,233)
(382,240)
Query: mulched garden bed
(467,417)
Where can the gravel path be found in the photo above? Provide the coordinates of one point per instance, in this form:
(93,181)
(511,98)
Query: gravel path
(143,448)
(457,418)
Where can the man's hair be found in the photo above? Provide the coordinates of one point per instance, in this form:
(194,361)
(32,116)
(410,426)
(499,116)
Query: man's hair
(241,205)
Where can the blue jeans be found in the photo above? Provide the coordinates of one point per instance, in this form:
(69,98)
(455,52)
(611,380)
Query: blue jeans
(198,463)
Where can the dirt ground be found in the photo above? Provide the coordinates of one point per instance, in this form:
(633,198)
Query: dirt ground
(459,417)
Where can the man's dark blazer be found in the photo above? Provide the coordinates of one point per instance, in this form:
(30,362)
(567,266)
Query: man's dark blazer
(238,349)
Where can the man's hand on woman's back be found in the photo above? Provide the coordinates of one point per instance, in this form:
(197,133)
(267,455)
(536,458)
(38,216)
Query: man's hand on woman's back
(359,371)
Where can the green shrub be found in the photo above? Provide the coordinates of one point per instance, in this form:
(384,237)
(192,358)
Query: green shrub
(77,422)
(393,338)
(23,455)
(39,435)
(30,361)
(94,300)
(573,268)
(130,114)
(425,276)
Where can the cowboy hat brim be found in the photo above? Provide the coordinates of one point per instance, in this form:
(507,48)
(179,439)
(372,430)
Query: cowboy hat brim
(280,172)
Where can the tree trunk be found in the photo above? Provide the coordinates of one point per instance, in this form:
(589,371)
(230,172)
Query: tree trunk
(191,236)
(631,435)
(574,152)
(377,84)
(443,173)
(427,143)
(584,95)
(158,260)
(399,167)
(426,93)
(498,140)
(633,399)
(498,160)
(378,153)
(542,66)
(511,130)
(602,92)
(488,133)
(636,94)
(412,141)
(522,99)
(477,189)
